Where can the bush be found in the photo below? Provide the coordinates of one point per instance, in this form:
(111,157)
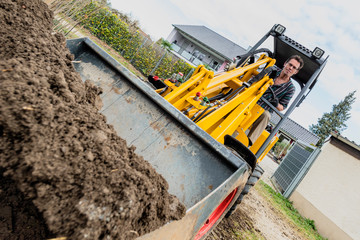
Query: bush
(280,148)
(143,53)
(311,223)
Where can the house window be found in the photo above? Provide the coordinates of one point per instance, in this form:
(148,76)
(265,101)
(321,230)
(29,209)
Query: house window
(214,64)
(197,57)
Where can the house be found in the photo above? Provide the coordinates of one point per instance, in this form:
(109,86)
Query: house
(329,193)
(201,45)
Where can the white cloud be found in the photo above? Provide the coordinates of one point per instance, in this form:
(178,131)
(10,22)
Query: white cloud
(350,133)
(306,114)
(339,79)
(355,116)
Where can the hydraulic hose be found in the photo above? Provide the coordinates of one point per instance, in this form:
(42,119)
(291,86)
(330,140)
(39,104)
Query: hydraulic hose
(220,96)
(207,114)
(202,113)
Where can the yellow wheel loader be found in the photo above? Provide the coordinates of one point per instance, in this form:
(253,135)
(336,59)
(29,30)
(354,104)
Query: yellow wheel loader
(194,133)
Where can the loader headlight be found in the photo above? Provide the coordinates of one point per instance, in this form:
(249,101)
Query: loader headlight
(279,29)
(317,53)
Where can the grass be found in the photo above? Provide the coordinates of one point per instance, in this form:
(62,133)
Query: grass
(305,225)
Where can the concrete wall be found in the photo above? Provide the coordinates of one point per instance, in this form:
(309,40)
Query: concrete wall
(330,192)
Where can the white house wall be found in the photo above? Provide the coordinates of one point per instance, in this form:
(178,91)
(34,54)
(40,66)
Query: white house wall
(171,36)
(330,194)
(181,41)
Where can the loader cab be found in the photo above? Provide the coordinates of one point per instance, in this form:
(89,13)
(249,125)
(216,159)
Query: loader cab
(307,77)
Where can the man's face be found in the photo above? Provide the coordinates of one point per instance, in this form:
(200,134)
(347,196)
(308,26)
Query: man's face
(291,67)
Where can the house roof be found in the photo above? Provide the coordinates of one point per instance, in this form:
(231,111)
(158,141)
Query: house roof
(212,40)
(344,144)
(295,130)
(346,140)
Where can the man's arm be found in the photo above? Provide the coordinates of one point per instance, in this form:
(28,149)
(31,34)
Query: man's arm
(285,99)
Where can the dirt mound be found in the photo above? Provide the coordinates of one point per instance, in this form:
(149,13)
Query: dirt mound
(76,177)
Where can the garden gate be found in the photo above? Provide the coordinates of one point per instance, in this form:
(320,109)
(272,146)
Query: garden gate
(293,167)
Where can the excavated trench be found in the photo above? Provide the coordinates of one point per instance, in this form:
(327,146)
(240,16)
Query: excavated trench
(63,170)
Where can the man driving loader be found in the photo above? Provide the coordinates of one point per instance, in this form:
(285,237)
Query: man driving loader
(283,90)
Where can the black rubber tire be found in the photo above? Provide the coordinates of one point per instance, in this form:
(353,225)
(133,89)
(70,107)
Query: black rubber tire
(253,179)
(257,174)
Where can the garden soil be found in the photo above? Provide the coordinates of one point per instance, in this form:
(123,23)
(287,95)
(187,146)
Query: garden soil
(257,218)
(63,170)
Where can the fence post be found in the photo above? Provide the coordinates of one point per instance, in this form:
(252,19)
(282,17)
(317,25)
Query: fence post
(129,42)
(142,44)
(158,63)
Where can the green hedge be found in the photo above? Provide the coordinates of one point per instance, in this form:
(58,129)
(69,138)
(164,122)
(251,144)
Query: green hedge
(131,44)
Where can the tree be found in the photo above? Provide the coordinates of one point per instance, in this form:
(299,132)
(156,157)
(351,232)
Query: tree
(335,120)
(165,44)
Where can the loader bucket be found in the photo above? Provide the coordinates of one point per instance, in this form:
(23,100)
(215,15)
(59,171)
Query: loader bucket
(200,171)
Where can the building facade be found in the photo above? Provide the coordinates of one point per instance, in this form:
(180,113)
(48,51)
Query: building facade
(200,45)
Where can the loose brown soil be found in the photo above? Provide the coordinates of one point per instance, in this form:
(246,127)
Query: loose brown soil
(63,171)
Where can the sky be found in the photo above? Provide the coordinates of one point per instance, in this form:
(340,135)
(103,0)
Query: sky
(332,25)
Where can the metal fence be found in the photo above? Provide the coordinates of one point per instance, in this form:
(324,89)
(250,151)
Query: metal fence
(147,56)
(293,168)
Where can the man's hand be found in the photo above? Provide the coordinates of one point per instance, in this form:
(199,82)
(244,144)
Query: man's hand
(280,107)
